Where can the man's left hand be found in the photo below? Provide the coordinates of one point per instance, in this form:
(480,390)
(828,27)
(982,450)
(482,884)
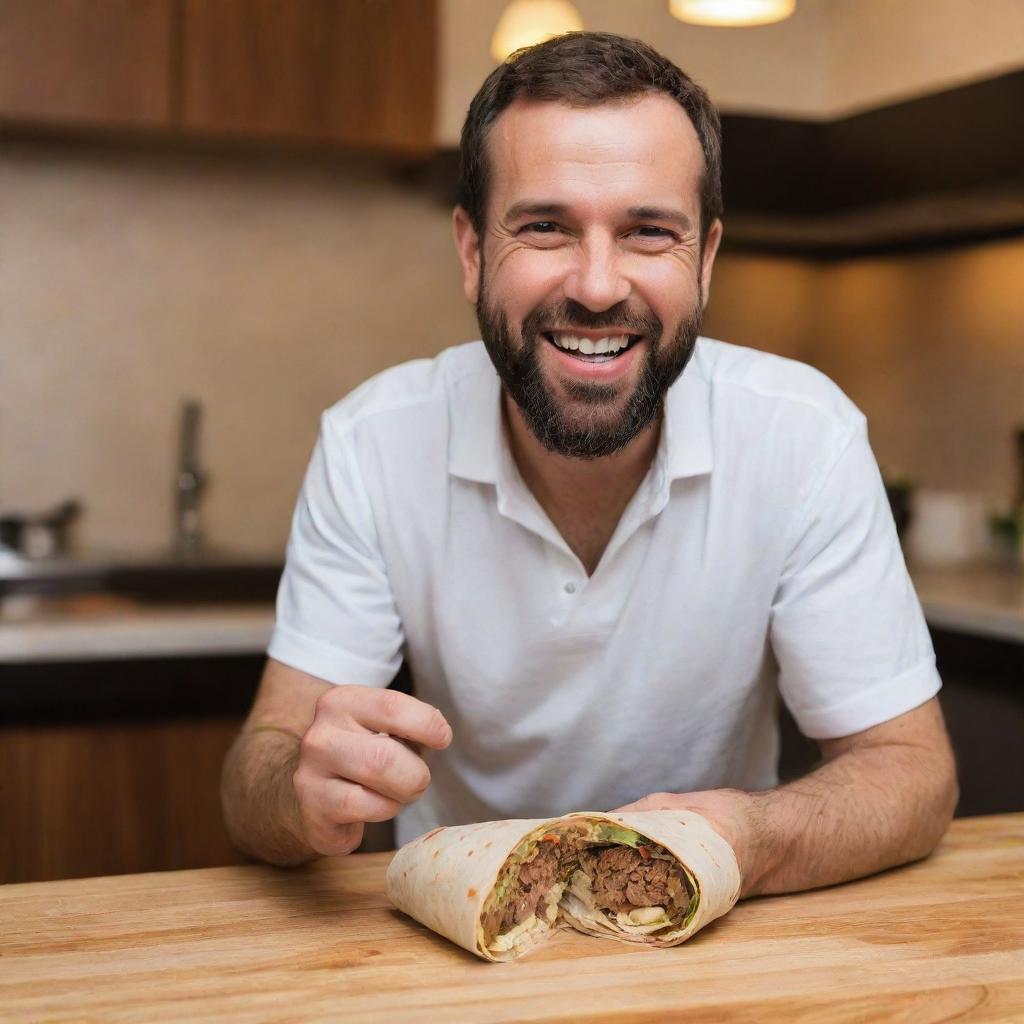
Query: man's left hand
(735,815)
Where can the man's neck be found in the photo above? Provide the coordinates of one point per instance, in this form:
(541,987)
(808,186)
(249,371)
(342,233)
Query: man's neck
(584,498)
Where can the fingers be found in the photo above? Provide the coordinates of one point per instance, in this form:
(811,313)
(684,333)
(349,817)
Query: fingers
(651,802)
(359,761)
(640,805)
(330,840)
(390,711)
(333,811)
(380,763)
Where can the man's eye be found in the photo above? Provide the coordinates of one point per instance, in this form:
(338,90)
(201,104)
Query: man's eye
(542,227)
(648,231)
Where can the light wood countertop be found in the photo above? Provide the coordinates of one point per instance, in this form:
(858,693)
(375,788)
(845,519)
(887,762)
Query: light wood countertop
(938,940)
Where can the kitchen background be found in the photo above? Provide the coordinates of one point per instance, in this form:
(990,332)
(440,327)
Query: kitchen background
(248,204)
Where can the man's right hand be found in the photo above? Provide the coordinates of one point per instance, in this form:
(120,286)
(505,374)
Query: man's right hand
(354,766)
(311,765)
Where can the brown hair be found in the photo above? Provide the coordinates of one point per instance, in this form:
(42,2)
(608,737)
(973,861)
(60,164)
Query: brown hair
(585,69)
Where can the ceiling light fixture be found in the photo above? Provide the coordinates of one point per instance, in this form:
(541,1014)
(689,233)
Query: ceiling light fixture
(526,22)
(733,13)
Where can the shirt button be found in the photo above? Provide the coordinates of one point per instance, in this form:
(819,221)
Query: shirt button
(570,588)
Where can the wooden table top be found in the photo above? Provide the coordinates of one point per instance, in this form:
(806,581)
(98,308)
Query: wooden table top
(939,940)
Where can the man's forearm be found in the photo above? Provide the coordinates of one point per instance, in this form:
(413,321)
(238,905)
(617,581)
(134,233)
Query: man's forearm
(260,808)
(868,809)
(883,797)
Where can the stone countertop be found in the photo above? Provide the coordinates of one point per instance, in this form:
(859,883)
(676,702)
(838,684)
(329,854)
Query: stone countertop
(983,601)
(100,627)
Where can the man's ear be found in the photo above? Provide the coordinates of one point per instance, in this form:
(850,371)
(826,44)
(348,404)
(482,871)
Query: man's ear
(467,243)
(711,244)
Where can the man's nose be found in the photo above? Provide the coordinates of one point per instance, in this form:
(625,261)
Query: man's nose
(596,279)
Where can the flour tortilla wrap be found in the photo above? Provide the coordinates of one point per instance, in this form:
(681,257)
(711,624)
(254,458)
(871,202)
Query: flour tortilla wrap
(459,881)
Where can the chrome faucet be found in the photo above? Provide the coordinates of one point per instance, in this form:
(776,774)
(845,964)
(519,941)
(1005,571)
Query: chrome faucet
(191,481)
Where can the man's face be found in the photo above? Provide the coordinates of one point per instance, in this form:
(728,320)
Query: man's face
(591,242)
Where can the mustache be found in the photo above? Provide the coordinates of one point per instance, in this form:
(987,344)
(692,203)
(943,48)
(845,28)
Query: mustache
(570,313)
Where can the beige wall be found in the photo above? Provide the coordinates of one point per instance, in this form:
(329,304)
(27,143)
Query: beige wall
(883,51)
(773,68)
(766,303)
(831,58)
(268,291)
(932,349)
(930,346)
(129,281)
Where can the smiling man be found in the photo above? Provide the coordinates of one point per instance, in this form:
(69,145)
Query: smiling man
(604,544)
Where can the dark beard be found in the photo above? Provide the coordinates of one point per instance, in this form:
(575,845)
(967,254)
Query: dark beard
(520,373)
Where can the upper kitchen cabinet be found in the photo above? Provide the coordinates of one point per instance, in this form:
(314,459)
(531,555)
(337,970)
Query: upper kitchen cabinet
(357,73)
(93,62)
(354,72)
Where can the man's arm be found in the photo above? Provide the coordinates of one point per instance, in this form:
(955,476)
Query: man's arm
(881,797)
(261,810)
(315,761)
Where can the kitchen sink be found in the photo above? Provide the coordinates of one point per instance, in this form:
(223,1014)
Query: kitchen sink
(206,578)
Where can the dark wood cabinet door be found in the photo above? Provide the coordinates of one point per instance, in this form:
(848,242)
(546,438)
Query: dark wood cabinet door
(105,62)
(357,72)
(106,798)
(113,767)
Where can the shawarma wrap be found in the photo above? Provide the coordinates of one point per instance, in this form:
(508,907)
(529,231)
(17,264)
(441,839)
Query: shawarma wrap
(500,888)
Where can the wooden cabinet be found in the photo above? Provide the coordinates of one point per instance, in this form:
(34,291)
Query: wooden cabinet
(105,798)
(113,767)
(349,72)
(108,767)
(90,62)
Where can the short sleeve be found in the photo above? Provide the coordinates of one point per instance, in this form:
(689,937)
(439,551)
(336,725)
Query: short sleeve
(847,628)
(336,613)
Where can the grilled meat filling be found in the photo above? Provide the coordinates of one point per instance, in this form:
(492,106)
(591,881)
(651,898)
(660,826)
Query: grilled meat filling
(536,877)
(623,878)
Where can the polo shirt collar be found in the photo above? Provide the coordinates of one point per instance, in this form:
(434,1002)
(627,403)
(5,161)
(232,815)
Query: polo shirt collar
(685,445)
(476,441)
(477,449)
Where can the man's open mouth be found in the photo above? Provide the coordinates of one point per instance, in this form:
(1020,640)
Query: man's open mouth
(592,350)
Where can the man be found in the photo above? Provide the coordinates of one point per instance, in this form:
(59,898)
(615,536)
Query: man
(600,568)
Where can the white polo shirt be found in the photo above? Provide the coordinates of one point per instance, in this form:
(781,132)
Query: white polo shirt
(758,556)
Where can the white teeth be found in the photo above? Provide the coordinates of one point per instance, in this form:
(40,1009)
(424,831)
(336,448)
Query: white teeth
(590,347)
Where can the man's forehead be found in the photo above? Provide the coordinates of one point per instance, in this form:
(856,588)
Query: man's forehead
(639,140)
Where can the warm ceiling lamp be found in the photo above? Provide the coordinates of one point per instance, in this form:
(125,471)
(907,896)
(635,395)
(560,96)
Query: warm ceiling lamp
(526,22)
(731,12)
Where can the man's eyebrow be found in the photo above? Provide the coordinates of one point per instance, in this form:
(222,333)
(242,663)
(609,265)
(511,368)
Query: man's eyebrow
(535,208)
(543,208)
(663,214)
